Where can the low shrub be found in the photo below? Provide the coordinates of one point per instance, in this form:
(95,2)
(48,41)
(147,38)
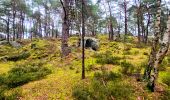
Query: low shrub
(127,53)
(165,95)
(106,76)
(127,48)
(9,94)
(163,65)
(81,92)
(114,45)
(144,64)
(121,90)
(20,75)
(2,89)
(99,89)
(168,59)
(145,53)
(135,52)
(127,67)
(130,39)
(107,58)
(89,67)
(166,79)
(20,56)
(141,45)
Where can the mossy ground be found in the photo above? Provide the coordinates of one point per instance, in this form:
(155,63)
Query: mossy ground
(66,72)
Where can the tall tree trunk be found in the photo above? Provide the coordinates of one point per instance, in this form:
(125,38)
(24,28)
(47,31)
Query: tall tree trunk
(45,26)
(154,49)
(83,34)
(142,27)
(52,25)
(119,28)
(110,23)
(139,35)
(13,23)
(138,21)
(65,29)
(147,29)
(7,30)
(125,9)
(40,30)
(22,24)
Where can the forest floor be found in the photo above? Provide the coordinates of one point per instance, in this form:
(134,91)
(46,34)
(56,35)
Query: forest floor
(125,59)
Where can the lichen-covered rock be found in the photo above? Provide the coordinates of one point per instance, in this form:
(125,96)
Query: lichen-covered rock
(15,44)
(90,42)
(4,42)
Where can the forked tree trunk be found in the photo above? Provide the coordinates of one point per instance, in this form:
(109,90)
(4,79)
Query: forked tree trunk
(154,49)
(157,56)
(161,54)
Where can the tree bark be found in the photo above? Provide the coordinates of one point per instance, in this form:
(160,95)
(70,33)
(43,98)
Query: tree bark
(13,21)
(110,23)
(22,25)
(125,9)
(83,48)
(154,49)
(161,53)
(138,21)
(65,29)
(7,30)
(147,28)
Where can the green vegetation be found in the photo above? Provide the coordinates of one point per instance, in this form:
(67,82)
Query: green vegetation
(110,73)
(126,67)
(20,75)
(84,50)
(104,86)
(107,58)
(166,79)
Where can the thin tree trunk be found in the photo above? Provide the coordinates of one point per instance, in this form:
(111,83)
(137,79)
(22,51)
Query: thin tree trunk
(7,30)
(139,35)
(110,23)
(142,27)
(147,29)
(138,20)
(45,26)
(40,30)
(13,23)
(22,24)
(125,9)
(52,29)
(119,28)
(83,34)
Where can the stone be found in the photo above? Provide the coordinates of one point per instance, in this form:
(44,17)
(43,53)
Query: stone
(90,42)
(15,44)
(4,42)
